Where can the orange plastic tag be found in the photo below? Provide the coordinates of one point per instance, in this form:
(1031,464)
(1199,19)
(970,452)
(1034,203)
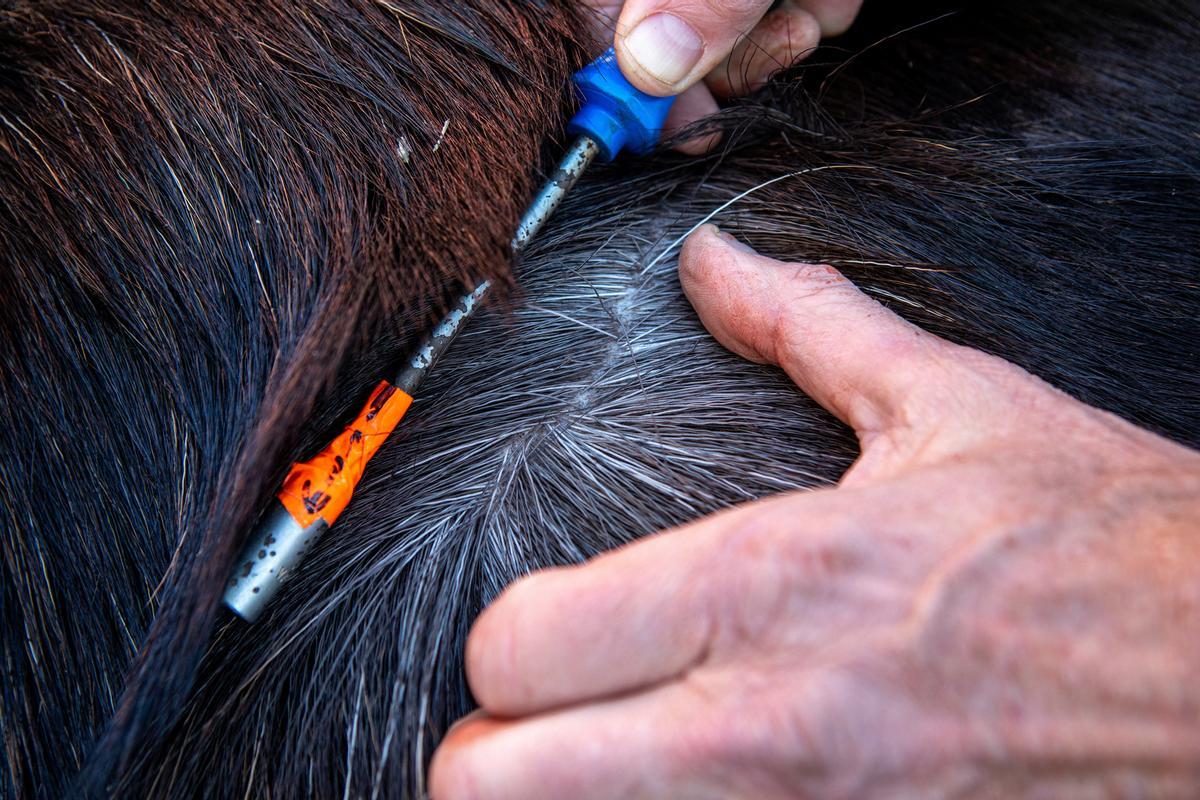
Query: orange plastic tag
(321,487)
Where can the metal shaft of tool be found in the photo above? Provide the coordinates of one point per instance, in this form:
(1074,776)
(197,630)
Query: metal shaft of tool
(547,201)
(582,153)
(279,543)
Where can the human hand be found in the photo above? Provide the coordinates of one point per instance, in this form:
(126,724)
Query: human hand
(705,50)
(1001,597)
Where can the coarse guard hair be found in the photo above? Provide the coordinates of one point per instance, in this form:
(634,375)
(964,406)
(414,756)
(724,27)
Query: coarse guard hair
(222,225)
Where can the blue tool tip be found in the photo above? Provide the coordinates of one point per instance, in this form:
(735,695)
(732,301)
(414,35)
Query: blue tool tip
(615,114)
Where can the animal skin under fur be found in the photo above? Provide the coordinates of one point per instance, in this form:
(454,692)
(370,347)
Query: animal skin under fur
(1014,180)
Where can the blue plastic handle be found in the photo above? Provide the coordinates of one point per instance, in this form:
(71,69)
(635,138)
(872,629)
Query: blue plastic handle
(616,115)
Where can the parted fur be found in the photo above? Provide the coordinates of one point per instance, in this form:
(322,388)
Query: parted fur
(205,212)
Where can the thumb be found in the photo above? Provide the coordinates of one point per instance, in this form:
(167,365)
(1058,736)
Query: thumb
(664,46)
(863,363)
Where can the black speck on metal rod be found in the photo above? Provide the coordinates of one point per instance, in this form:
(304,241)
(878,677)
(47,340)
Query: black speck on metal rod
(438,341)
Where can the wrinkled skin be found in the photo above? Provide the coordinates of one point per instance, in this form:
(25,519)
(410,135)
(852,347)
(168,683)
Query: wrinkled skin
(1001,598)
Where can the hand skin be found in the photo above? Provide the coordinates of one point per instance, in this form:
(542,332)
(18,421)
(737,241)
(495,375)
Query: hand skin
(703,50)
(1001,598)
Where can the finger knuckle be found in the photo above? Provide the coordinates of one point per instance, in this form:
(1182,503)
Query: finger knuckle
(794,27)
(781,732)
(731,16)
(827,724)
(811,286)
(820,279)
(857,715)
(981,364)
(979,380)
(768,568)
(743,587)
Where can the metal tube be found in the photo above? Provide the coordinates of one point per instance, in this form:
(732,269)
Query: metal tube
(570,169)
(438,341)
(272,554)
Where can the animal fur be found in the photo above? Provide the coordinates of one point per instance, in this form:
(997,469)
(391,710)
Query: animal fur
(1018,180)
(206,207)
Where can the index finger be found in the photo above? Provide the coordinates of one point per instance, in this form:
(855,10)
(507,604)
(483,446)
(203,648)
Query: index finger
(628,618)
(647,613)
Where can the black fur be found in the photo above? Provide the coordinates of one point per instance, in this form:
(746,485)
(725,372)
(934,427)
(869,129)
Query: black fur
(1023,181)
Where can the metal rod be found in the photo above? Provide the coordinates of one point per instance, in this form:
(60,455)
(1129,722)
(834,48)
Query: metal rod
(272,554)
(570,169)
(438,341)
(279,543)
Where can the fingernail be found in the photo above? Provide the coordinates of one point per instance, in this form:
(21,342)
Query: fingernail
(665,46)
(478,713)
(732,241)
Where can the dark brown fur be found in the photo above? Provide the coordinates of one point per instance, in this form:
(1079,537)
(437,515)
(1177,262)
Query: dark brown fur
(221,198)
(212,245)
